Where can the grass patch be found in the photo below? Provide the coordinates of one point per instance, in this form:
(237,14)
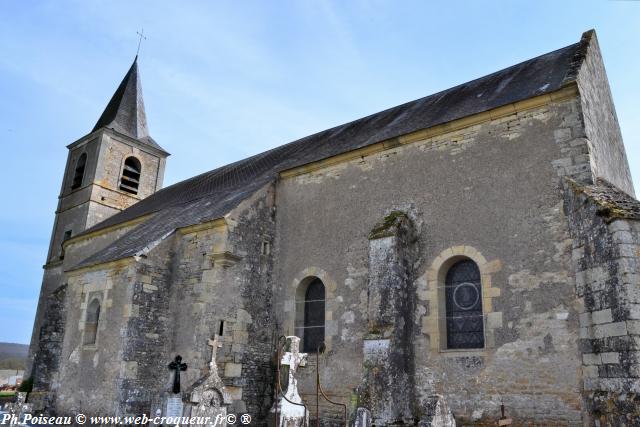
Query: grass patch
(7,393)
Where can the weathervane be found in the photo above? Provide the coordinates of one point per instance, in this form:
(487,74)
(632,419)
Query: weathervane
(141,34)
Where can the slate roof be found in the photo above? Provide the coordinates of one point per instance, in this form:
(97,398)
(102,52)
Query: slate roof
(213,194)
(125,111)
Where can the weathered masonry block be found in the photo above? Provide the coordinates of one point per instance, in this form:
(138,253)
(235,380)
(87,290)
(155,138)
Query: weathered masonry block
(606,230)
(388,358)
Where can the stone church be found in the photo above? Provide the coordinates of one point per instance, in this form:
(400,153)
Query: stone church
(481,243)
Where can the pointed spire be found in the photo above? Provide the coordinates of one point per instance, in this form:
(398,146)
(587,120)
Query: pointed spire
(125,112)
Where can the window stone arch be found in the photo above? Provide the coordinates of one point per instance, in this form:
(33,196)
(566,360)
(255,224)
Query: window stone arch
(311,313)
(431,289)
(297,292)
(131,172)
(78,172)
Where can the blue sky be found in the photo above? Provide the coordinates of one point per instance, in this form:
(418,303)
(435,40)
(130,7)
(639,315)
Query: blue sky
(224,80)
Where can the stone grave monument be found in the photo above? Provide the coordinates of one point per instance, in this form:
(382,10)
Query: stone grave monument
(174,406)
(437,413)
(20,407)
(208,397)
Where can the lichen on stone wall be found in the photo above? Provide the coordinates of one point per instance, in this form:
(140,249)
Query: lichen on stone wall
(385,227)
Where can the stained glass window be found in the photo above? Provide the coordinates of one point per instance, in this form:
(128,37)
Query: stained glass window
(463,294)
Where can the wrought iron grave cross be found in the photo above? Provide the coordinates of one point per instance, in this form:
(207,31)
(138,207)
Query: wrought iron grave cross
(177,366)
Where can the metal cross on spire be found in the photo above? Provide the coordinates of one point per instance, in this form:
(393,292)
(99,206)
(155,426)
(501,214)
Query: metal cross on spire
(141,34)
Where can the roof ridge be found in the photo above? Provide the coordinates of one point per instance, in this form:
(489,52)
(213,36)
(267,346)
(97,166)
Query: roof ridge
(444,91)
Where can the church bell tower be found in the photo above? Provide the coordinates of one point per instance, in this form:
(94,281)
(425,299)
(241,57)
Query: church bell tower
(111,168)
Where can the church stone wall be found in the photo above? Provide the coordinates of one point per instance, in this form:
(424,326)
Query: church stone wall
(606,257)
(54,279)
(216,273)
(170,302)
(48,336)
(119,373)
(493,190)
(89,146)
(51,280)
(78,250)
(601,122)
(224,275)
(147,339)
(99,197)
(73,219)
(99,212)
(78,209)
(89,376)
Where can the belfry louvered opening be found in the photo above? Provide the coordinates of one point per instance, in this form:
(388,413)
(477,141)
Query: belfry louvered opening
(78,174)
(130,180)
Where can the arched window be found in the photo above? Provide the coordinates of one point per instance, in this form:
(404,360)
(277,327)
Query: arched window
(313,313)
(78,173)
(130,180)
(463,297)
(91,322)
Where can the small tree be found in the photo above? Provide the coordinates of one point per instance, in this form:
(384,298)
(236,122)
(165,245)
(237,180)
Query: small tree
(26,385)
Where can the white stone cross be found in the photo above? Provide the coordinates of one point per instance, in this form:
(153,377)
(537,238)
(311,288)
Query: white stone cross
(294,359)
(215,345)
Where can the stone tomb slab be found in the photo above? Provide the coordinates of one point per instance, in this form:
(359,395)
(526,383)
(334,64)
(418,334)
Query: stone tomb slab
(174,407)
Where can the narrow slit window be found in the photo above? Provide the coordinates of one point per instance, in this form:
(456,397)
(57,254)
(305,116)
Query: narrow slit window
(78,173)
(130,180)
(91,322)
(65,237)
